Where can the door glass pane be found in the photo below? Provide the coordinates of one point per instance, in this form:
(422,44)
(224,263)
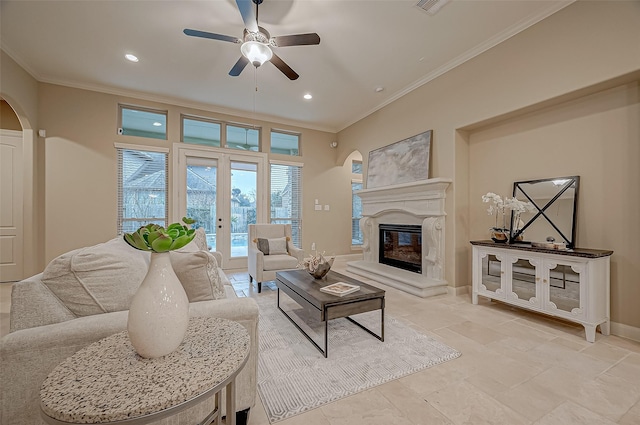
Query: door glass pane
(491,272)
(244,185)
(523,279)
(201,197)
(564,287)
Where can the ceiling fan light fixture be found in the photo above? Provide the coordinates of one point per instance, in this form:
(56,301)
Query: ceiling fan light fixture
(257,53)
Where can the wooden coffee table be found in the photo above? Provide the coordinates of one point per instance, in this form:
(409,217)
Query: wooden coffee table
(305,290)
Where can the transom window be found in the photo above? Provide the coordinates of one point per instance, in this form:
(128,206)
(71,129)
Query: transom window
(356,167)
(142,122)
(201,131)
(244,138)
(285,143)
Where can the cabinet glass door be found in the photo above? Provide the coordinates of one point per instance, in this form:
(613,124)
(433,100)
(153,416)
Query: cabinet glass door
(564,287)
(523,279)
(491,273)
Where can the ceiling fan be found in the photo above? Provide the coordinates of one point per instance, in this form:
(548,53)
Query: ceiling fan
(257,43)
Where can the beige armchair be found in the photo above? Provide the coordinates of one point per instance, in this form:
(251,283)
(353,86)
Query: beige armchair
(276,252)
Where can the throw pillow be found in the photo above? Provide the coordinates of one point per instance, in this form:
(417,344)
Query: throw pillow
(275,246)
(199,275)
(97,279)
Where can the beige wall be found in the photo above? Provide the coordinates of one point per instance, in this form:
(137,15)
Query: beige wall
(581,47)
(595,137)
(81,170)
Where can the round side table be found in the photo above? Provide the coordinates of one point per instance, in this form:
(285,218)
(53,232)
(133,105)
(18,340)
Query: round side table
(108,382)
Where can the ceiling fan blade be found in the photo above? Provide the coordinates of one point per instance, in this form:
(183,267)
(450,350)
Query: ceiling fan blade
(239,66)
(283,67)
(212,36)
(248,14)
(296,40)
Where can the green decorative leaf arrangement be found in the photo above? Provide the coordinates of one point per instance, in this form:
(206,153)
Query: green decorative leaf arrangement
(155,238)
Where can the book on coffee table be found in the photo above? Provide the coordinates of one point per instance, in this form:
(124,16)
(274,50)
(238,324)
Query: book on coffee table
(340,288)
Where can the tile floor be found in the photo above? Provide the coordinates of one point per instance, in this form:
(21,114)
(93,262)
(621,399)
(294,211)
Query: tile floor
(516,368)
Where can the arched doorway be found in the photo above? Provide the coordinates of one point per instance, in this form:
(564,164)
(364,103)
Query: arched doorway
(11,195)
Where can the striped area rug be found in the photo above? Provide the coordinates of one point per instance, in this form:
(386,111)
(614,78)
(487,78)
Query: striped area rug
(294,377)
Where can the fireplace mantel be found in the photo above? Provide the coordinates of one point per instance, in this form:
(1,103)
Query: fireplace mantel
(421,203)
(423,198)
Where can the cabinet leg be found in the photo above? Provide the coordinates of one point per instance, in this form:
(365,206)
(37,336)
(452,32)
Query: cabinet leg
(474,297)
(605,327)
(590,332)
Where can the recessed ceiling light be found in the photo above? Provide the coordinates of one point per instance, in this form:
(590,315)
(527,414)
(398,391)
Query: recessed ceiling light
(130,57)
(308,96)
(157,124)
(379,89)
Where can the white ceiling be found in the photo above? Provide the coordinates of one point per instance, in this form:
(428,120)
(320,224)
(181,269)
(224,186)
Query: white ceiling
(364,44)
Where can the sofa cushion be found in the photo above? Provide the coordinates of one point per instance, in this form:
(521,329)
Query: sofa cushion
(274,246)
(280,262)
(97,279)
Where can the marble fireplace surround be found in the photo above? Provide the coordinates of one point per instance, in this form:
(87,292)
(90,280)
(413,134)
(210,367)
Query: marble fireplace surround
(417,203)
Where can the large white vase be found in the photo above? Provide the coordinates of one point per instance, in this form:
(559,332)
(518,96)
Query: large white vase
(159,312)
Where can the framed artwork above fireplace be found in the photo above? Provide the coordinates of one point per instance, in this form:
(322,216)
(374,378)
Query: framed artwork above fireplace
(405,161)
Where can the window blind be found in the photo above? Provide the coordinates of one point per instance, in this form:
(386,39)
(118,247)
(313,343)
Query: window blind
(286,198)
(142,189)
(356,214)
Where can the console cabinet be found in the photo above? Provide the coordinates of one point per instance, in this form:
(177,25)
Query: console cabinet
(572,284)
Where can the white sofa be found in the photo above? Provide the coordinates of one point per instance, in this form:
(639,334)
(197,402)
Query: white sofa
(82,296)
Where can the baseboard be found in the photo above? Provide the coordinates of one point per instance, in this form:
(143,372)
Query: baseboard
(625,331)
(349,257)
(458,290)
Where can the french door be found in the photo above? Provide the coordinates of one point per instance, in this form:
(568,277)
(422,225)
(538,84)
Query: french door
(224,191)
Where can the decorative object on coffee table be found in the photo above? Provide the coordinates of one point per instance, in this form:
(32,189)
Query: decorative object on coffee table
(317,265)
(159,311)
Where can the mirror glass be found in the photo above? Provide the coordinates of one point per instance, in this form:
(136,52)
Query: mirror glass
(554,214)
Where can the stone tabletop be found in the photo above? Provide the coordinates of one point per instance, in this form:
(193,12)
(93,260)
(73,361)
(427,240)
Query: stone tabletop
(108,381)
(575,252)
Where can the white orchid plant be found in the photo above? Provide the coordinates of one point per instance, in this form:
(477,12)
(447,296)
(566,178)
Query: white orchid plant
(501,206)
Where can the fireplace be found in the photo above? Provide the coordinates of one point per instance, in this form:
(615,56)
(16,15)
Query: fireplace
(403,229)
(401,246)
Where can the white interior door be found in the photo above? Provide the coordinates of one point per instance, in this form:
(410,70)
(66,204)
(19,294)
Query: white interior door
(11,206)
(224,192)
